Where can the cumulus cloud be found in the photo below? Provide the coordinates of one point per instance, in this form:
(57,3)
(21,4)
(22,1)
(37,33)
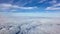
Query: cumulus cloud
(30,25)
(54,7)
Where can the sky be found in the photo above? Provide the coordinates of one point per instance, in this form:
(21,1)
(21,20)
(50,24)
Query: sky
(31,6)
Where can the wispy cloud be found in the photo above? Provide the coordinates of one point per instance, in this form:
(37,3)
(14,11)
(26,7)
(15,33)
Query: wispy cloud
(6,7)
(28,7)
(54,7)
(14,6)
(53,2)
(41,1)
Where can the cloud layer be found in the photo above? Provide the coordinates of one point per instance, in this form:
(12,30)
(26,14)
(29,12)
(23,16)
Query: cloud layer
(29,25)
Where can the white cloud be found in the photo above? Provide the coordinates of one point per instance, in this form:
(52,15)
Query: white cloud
(5,6)
(14,6)
(28,7)
(10,7)
(54,7)
(53,2)
(41,1)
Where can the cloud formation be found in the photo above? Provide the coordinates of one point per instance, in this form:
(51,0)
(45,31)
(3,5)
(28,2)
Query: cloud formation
(41,1)
(54,7)
(29,25)
(53,2)
(10,7)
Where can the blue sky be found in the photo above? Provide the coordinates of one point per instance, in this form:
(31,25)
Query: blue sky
(30,6)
